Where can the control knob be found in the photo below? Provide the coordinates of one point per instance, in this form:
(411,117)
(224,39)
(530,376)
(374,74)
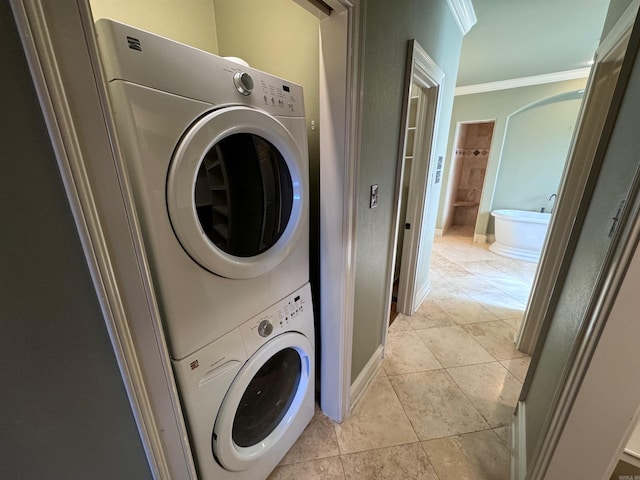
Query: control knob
(243,82)
(265,328)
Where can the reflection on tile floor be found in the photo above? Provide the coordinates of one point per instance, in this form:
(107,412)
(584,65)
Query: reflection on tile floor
(440,407)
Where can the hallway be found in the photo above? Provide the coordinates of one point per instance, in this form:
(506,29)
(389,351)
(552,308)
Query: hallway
(440,407)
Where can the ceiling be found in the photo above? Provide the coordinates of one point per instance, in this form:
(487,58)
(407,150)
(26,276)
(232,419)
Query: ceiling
(523,38)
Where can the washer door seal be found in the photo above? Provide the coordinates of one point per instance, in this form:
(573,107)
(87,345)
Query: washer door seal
(260,187)
(246,395)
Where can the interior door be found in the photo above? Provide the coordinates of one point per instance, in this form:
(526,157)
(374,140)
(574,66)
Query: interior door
(422,96)
(413,192)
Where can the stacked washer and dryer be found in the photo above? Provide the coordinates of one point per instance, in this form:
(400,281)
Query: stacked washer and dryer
(216,158)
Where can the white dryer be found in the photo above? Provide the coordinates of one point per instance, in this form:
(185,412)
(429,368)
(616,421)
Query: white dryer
(250,394)
(216,158)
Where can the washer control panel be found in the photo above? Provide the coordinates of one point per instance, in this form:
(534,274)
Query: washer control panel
(292,313)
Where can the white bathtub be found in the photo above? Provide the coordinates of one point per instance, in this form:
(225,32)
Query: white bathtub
(520,234)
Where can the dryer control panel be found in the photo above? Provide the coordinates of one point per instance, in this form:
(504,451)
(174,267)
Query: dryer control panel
(147,59)
(291,314)
(265,91)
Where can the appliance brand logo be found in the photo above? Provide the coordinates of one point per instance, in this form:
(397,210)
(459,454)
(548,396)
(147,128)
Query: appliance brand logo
(195,364)
(134,44)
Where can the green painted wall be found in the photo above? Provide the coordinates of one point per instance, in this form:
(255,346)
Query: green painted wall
(534,154)
(496,106)
(192,23)
(389,26)
(65,412)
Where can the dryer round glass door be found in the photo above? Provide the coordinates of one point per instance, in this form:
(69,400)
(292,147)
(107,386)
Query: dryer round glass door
(262,403)
(236,192)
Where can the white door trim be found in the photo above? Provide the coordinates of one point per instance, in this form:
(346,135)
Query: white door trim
(340,104)
(72,94)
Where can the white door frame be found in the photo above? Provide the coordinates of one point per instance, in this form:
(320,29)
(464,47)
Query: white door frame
(341,38)
(423,72)
(72,95)
(61,50)
(62,54)
(341,47)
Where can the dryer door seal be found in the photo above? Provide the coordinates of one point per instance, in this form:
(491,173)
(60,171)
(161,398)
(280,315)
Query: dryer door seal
(264,401)
(235,192)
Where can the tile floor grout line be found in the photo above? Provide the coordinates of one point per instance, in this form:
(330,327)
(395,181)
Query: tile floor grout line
(429,458)
(307,461)
(403,409)
(472,336)
(417,371)
(466,364)
(465,433)
(344,471)
(469,399)
(335,433)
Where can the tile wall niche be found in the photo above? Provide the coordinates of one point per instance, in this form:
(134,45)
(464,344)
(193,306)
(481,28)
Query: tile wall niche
(470,158)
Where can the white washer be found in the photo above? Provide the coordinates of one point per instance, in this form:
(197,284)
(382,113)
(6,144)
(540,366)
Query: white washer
(250,394)
(216,157)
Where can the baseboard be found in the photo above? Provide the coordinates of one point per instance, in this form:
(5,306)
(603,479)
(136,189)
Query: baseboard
(479,238)
(491,237)
(422,295)
(359,386)
(438,232)
(518,444)
(630,459)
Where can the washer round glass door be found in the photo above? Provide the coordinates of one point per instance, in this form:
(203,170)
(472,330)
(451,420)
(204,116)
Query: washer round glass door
(262,401)
(235,192)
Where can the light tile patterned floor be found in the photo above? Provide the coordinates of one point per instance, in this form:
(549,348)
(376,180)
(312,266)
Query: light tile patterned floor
(440,407)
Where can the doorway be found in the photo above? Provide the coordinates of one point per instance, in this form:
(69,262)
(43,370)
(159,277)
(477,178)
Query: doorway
(468,168)
(413,180)
(407,159)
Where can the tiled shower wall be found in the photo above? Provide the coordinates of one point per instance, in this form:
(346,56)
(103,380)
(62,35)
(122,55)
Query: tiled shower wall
(470,165)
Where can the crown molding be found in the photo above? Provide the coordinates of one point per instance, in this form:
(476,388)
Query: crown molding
(524,81)
(463,13)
